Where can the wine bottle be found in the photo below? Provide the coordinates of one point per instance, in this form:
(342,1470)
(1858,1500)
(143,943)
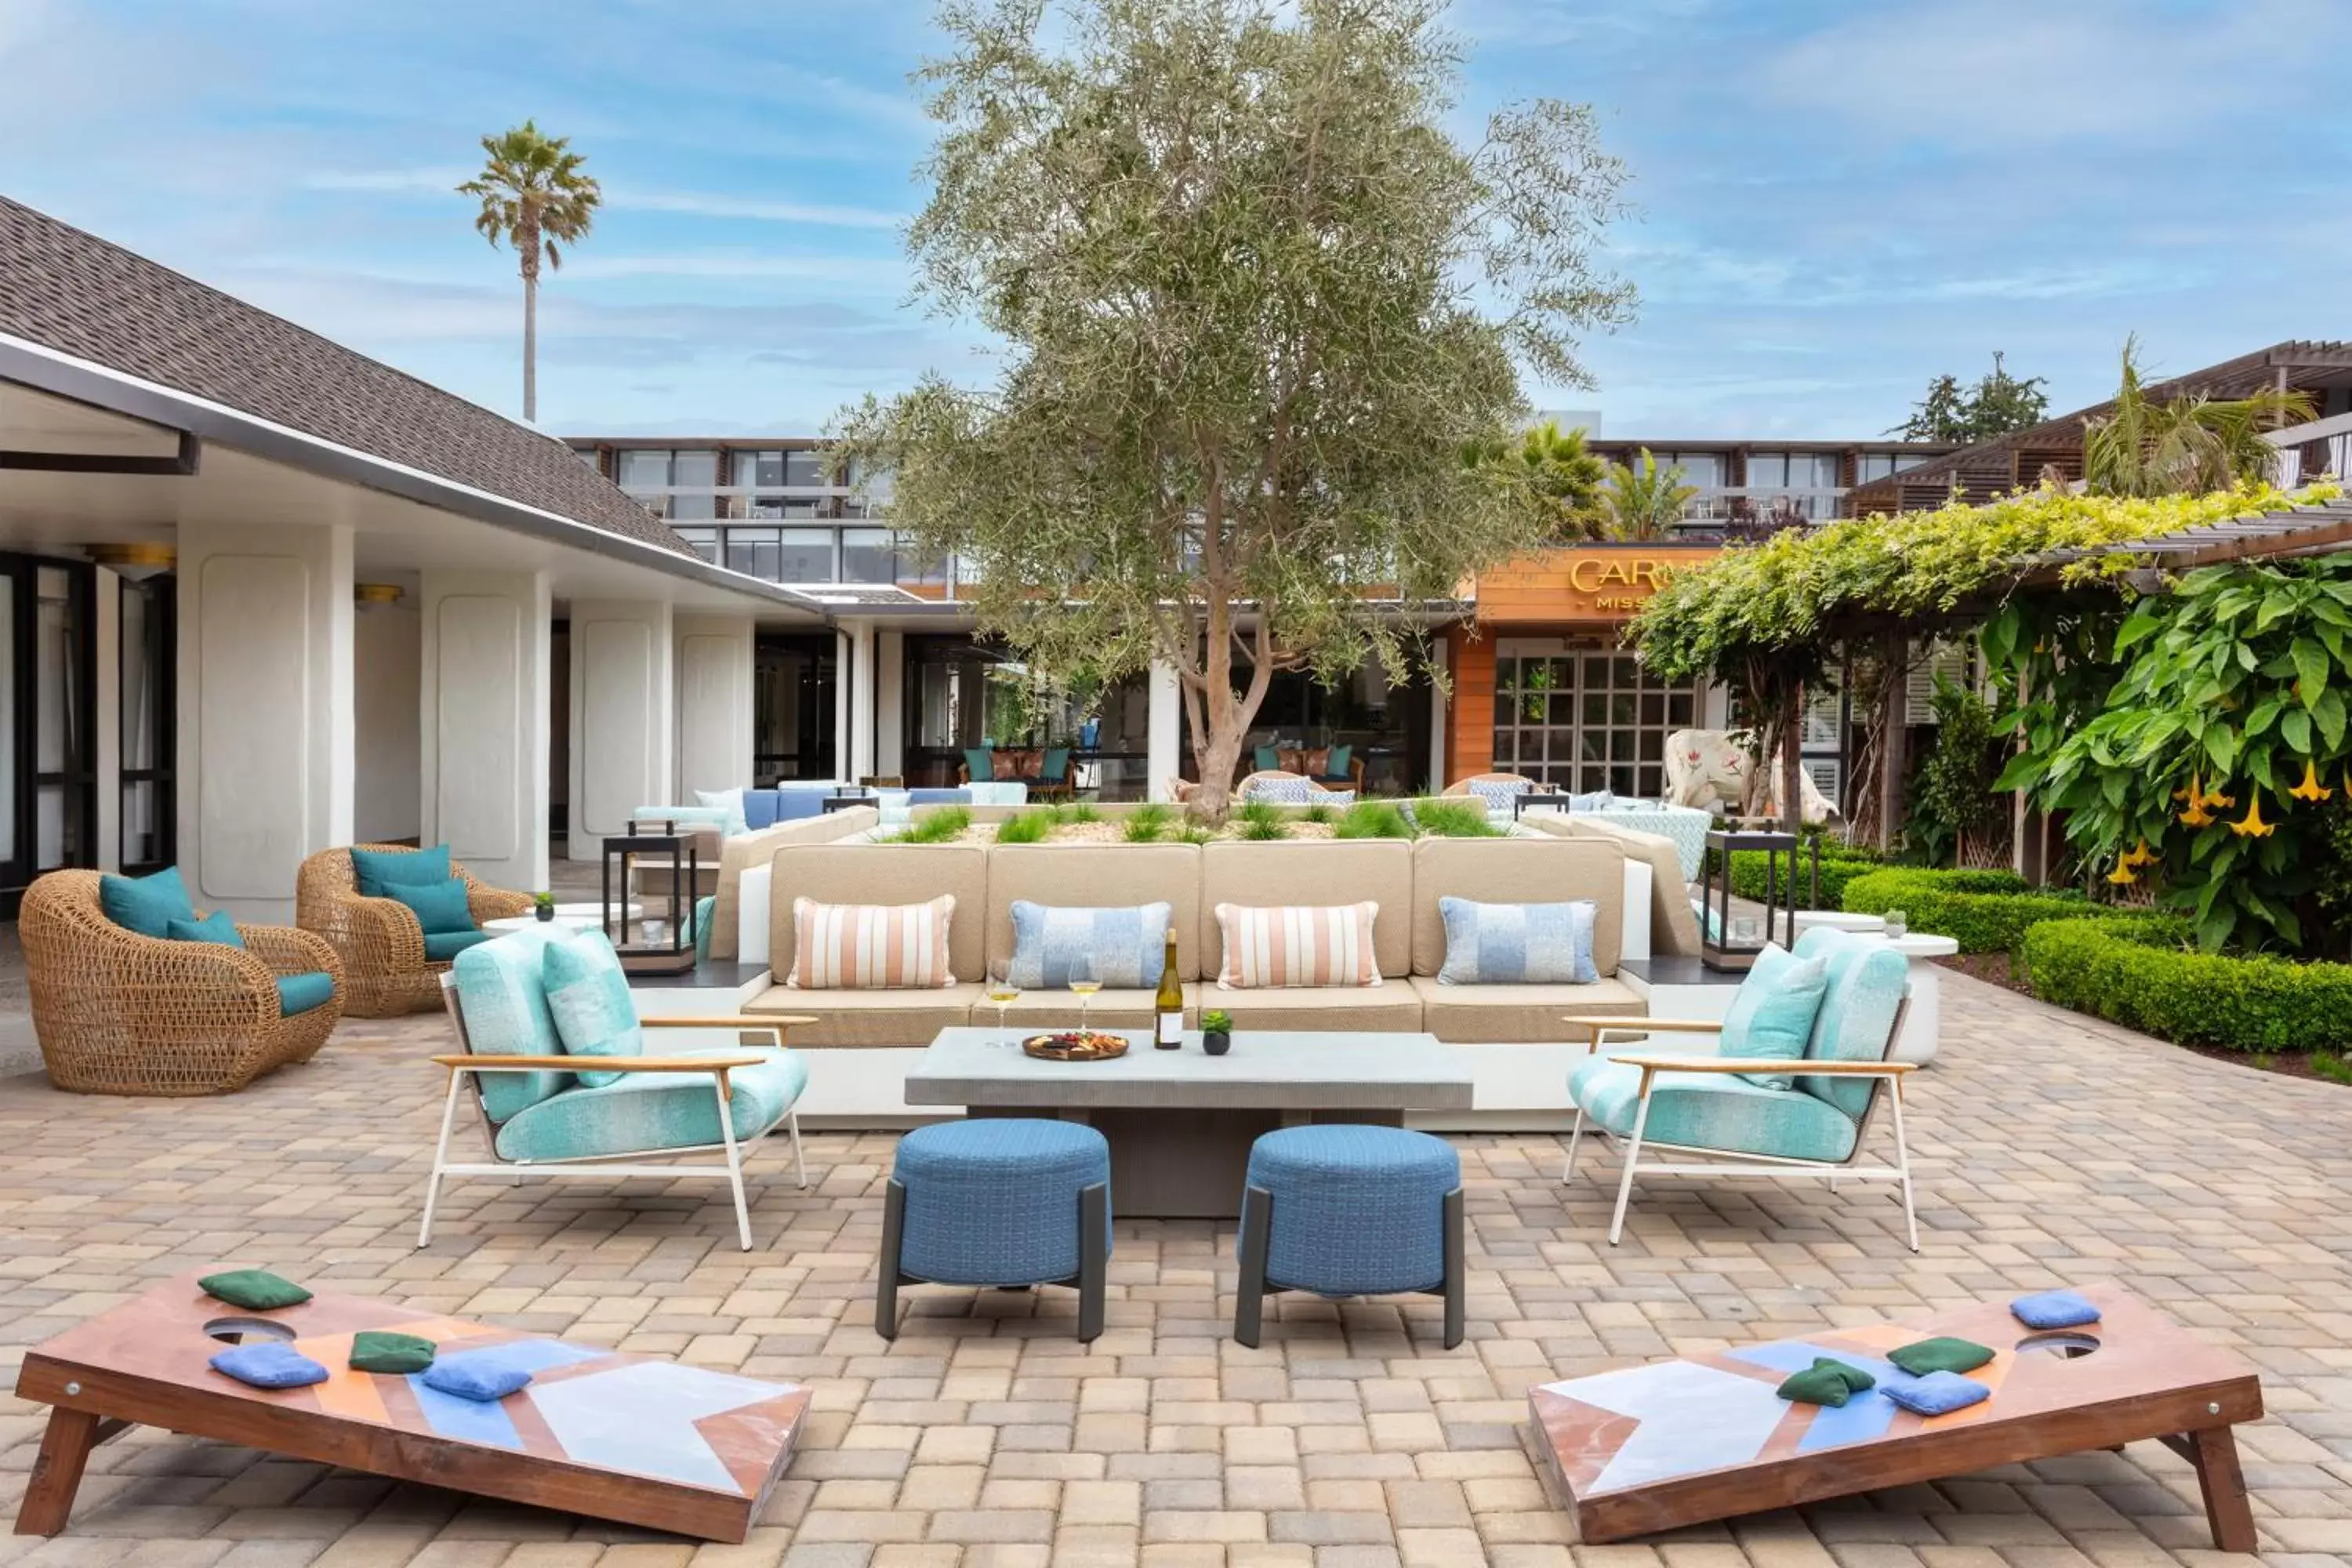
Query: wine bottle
(1168,1005)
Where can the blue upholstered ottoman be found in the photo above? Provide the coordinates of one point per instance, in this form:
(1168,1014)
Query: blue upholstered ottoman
(1342,1210)
(1005,1201)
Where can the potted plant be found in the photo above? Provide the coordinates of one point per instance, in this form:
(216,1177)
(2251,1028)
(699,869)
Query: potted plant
(1216,1031)
(543,905)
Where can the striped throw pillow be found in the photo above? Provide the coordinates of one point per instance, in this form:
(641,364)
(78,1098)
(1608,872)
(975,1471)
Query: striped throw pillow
(1517,944)
(870,947)
(1125,949)
(1298,945)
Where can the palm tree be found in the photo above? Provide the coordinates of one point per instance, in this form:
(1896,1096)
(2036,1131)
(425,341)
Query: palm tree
(1643,501)
(534,195)
(1557,473)
(2190,446)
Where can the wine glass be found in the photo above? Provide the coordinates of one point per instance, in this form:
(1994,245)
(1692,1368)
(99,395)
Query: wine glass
(1003,991)
(1083,985)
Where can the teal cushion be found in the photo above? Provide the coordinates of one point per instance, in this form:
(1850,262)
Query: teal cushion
(981,762)
(502,995)
(441,946)
(594,1014)
(1866,981)
(1055,764)
(1771,1014)
(651,1111)
(440,906)
(1337,768)
(147,905)
(705,909)
(219,926)
(300,993)
(1712,1111)
(374,870)
(729,801)
(1266,758)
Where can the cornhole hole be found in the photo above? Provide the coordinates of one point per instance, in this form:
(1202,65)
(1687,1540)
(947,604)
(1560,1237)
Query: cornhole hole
(635,1439)
(1681,1442)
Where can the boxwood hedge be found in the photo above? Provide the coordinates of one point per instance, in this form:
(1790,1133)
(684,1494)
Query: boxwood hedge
(1839,867)
(2144,973)
(1984,912)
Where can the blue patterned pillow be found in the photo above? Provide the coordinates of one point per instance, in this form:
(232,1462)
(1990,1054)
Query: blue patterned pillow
(1335,797)
(588,996)
(1498,796)
(1291,789)
(1771,1014)
(1126,948)
(1517,944)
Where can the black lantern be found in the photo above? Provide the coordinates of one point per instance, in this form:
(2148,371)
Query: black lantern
(1726,939)
(675,858)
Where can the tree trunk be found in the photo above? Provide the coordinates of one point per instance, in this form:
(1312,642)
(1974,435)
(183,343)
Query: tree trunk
(1893,739)
(531,345)
(1792,739)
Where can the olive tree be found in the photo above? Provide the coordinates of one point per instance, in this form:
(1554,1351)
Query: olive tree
(1253,301)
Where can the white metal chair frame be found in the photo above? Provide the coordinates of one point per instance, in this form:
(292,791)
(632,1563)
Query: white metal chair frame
(469,1067)
(1886,1084)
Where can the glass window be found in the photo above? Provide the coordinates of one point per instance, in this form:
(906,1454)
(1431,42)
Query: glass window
(804,469)
(752,551)
(807,555)
(867,556)
(695,471)
(705,542)
(1698,467)
(645,469)
(764,470)
(692,508)
(1768,471)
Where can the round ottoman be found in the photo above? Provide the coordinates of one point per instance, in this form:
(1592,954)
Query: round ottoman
(997,1201)
(1341,1210)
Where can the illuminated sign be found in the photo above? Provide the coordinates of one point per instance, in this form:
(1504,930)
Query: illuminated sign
(1581,583)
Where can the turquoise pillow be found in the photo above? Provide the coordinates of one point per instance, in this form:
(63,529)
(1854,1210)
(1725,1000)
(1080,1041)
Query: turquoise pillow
(981,762)
(219,926)
(589,998)
(441,946)
(1772,1013)
(147,905)
(300,993)
(1337,768)
(502,993)
(375,871)
(1266,758)
(440,906)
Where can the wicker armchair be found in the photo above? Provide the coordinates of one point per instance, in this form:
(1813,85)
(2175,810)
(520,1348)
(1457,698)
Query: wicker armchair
(118,1012)
(381,945)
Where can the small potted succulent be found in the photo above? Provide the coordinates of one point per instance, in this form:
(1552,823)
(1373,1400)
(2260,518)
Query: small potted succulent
(1216,1031)
(543,905)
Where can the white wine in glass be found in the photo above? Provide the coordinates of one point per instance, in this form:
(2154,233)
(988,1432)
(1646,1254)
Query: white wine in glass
(1083,985)
(1003,991)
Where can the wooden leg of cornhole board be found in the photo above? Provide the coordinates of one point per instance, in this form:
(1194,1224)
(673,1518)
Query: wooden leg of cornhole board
(2214,1452)
(57,1469)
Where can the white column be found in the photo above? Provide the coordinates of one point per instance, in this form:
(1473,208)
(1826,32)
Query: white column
(485,713)
(889,703)
(621,728)
(842,744)
(861,700)
(265,754)
(1164,731)
(714,704)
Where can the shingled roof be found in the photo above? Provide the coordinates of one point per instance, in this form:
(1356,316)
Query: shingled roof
(75,294)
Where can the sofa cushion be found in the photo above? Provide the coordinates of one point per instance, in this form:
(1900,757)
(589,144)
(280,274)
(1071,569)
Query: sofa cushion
(799,804)
(589,996)
(656,1111)
(1122,947)
(441,946)
(1867,983)
(876,1017)
(1771,1014)
(1368,1008)
(1544,870)
(372,870)
(758,810)
(871,947)
(1299,944)
(1520,1014)
(1712,1111)
(439,907)
(1673,924)
(739,855)
(1119,1008)
(979,764)
(1513,944)
(147,905)
(502,996)
(300,993)
(1331,871)
(1279,789)
(1095,876)
(730,801)
(884,874)
(219,926)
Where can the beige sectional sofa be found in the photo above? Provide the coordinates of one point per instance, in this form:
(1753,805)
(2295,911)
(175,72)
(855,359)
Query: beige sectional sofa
(1674,929)
(747,850)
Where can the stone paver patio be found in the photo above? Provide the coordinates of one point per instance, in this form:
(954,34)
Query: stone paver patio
(2050,1150)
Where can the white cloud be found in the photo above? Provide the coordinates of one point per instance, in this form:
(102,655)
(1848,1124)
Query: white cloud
(879,272)
(437,181)
(699,205)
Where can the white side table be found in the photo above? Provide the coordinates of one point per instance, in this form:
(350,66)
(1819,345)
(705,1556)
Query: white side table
(577,917)
(1922,1023)
(1838,920)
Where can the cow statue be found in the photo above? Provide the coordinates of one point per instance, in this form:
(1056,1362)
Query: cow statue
(1706,768)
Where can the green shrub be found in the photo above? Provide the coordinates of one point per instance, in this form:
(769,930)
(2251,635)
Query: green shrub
(1195,832)
(1071,811)
(1839,867)
(1984,912)
(1318,811)
(1453,818)
(1373,819)
(1149,823)
(1261,819)
(941,826)
(2142,971)
(1025,827)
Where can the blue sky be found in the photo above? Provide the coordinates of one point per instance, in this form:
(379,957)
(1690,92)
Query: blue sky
(1838,198)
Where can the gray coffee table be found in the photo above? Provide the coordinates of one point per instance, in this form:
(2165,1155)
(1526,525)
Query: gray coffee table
(1181,1123)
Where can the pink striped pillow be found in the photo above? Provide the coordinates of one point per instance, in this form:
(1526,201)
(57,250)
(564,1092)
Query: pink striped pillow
(1298,945)
(870,947)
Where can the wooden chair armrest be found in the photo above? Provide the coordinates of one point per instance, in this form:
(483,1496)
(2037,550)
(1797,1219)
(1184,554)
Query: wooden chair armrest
(1647,1025)
(1801,1064)
(771,1021)
(600,1064)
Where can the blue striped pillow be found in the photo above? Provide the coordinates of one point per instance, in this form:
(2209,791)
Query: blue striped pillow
(1126,948)
(1517,944)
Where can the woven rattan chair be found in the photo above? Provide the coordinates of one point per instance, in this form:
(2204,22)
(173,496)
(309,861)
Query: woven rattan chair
(119,1013)
(381,945)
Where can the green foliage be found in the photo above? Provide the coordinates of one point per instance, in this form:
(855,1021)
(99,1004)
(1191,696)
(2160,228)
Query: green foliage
(1840,866)
(1319,811)
(1074,811)
(1453,817)
(1373,819)
(1997,404)
(1194,832)
(1216,1021)
(1249,300)
(1026,827)
(1952,793)
(2141,972)
(1984,912)
(536,197)
(941,825)
(2230,699)
(1555,470)
(2189,446)
(2332,1067)
(1644,502)
(1261,819)
(1149,823)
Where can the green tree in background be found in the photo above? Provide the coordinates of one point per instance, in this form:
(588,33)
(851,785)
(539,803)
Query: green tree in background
(1998,404)
(534,197)
(1254,302)
(1557,471)
(2192,445)
(1645,502)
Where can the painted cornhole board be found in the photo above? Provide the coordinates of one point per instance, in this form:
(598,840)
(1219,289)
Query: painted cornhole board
(1674,1443)
(635,1439)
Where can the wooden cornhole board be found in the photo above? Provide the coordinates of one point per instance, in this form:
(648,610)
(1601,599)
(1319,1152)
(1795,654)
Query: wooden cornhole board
(636,1438)
(1674,1443)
